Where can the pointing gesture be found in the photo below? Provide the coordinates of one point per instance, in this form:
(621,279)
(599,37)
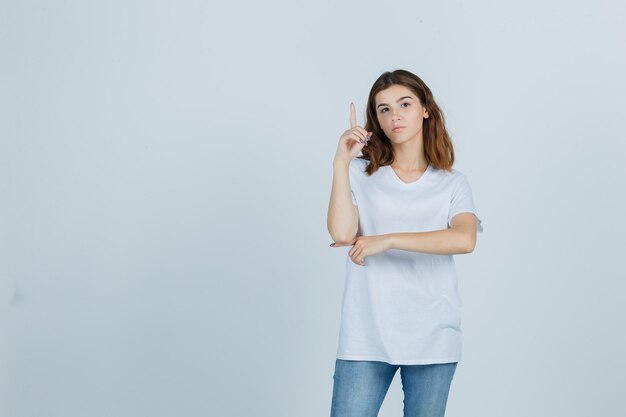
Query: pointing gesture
(352,140)
(352,116)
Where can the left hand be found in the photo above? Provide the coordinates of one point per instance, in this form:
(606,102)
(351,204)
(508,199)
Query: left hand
(367,245)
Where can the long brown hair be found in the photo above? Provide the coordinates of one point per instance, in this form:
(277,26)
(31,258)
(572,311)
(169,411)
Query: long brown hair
(438,147)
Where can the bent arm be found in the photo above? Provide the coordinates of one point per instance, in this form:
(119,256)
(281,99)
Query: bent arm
(343,215)
(459,239)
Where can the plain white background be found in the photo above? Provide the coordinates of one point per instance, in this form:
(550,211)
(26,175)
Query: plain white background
(165,170)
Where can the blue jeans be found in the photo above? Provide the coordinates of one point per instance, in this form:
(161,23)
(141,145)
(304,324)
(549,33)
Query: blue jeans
(360,387)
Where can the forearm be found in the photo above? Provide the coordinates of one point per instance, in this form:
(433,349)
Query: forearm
(342,220)
(438,242)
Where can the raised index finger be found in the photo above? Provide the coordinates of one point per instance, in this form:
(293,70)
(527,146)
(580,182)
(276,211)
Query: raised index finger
(352,116)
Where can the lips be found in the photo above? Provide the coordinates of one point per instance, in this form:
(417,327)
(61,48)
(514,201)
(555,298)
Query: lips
(398,128)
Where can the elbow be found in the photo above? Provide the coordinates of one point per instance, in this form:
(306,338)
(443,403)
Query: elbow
(343,236)
(342,239)
(469,245)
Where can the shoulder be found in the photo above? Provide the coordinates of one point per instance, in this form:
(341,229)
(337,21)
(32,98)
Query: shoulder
(454,182)
(458,176)
(449,178)
(359,161)
(358,164)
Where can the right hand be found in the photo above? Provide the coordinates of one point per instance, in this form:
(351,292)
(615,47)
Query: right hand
(352,140)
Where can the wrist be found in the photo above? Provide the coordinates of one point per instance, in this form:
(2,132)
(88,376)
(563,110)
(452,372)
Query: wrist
(340,163)
(390,240)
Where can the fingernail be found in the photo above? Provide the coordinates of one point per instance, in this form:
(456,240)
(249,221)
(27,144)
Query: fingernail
(332,244)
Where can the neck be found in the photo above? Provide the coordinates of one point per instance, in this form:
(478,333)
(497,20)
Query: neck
(410,155)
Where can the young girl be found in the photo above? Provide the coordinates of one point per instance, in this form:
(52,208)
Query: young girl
(405,212)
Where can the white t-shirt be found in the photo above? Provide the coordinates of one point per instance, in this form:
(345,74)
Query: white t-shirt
(403,307)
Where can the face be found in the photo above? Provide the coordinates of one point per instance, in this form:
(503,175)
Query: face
(398,106)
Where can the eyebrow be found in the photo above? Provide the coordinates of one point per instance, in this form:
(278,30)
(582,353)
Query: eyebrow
(401,98)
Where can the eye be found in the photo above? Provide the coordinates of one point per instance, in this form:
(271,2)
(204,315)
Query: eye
(385,108)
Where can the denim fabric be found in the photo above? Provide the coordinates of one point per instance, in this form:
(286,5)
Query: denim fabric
(360,387)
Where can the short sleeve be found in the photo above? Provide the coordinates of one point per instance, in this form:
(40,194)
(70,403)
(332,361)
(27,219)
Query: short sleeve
(462,202)
(353,198)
